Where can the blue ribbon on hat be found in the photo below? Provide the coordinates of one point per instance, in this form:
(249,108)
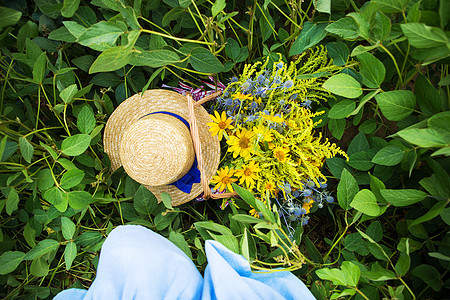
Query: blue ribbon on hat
(185,183)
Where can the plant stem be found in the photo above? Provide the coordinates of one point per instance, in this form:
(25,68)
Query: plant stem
(400,79)
(176,38)
(337,241)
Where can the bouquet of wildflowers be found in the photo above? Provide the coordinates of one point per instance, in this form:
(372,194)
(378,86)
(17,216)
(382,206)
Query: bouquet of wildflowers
(266,128)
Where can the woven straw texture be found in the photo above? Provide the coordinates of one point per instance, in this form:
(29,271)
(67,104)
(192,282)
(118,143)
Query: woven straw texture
(128,113)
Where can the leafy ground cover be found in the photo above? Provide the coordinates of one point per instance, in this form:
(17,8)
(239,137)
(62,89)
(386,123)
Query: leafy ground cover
(383,231)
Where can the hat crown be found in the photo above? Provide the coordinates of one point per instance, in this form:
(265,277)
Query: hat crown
(157,150)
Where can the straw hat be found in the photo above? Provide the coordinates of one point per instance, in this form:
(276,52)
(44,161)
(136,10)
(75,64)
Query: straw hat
(148,135)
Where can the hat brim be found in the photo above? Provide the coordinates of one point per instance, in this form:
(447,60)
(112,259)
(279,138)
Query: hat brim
(130,110)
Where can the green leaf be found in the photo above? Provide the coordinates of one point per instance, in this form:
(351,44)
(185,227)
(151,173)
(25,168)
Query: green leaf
(9,16)
(79,199)
(211,226)
(381,28)
(179,240)
(389,156)
(28,31)
(70,252)
(68,93)
(361,161)
(343,85)
(45,179)
(112,59)
(375,231)
(337,127)
(402,265)
(248,246)
(245,195)
(428,97)
(144,201)
(445,215)
(310,35)
(86,120)
(335,275)
(323,6)
(426,137)
(68,228)
(366,202)
(338,52)
(100,36)
(75,144)
(217,7)
(435,211)
(378,273)
(246,219)
(167,200)
(154,58)
(372,70)
(353,241)
(39,267)
(313,252)
(202,60)
(69,8)
(391,6)
(26,149)
(58,198)
(351,272)
(342,109)
(363,24)
(364,100)
(439,256)
(422,36)
(346,28)
(337,165)
(403,197)
(10,260)
(12,202)
(362,49)
(42,248)
(347,189)
(396,105)
(62,34)
(358,144)
(430,275)
(440,121)
(39,68)
(376,185)
(29,234)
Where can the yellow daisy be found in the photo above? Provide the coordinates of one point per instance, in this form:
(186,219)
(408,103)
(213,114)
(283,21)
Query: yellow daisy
(248,174)
(241,96)
(263,133)
(220,124)
(269,186)
(223,179)
(241,143)
(276,119)
(280,153)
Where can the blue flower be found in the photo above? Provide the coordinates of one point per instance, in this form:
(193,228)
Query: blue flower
(295,194)
(279,65)
(228,101)
(305,221)
(306,103)
(288,84)
(294,96)
(234,79)
(298,211)
(307,192)
(282,102)
(261,78)
(292,217)
(323,185)
(329,199)
(254,105)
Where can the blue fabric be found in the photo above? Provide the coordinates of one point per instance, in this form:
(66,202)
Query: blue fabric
(185,183)
(136,263)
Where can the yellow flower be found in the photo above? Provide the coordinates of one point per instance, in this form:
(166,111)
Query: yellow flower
(248,174)
(276,119)
(223,179)
(269,186)
(307,206)
(263,133)
(241,143)
(241,96)
(280,153)
(219,124)
(254,213)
